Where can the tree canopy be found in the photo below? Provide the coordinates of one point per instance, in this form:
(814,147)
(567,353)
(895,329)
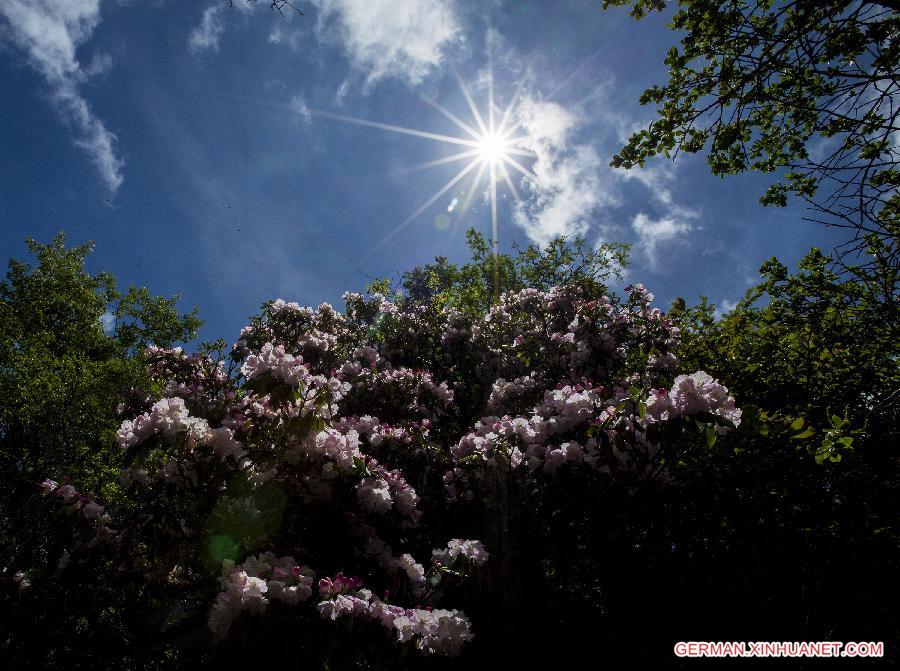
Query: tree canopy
(806,90)
(70,347)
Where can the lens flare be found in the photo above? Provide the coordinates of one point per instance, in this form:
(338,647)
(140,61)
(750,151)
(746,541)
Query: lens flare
(488,147)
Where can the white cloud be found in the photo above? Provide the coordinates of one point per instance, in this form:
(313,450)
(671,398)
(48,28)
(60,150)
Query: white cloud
(574,192)
(248,6)
(50,31)
(341,94)
(206,35)
(108,322)
(724,307)
(567,188)
(392,38)
(675,219)
(657,177)
(654,232)
(299,107)
(405,39)
(100,64)
(292,39)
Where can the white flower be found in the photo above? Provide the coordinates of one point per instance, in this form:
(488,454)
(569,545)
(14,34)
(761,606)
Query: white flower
(374,495)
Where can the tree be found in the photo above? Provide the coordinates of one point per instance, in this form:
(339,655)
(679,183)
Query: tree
(801,502)
(806,89)
(473,287)
(62,375)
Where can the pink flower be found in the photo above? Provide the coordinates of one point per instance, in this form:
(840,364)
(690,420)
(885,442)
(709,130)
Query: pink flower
(67,493)
(92,510)
(48,486)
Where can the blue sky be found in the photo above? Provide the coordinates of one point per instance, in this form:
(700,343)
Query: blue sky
(198,145)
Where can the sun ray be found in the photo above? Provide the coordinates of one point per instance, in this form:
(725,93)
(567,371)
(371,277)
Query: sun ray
(474,187)
(519,152)
(491,150)
(504,173)
(494,204)
(428,203)
(447,113)
(399,129)
(471,103)
(513,140)
(518,166)
(575,72)
(471,153)
(501,129)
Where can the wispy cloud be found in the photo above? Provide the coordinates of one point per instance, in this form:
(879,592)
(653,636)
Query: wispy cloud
(652,233)
(573,190)
(292,39)
(724,307)
(391,38)
(658,177)
(341,94)
(675,220)
(566,188)
(205,37)
(300,109)
(108,322)
(50,31)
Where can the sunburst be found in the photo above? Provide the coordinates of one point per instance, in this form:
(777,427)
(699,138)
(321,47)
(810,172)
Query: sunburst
(489,150)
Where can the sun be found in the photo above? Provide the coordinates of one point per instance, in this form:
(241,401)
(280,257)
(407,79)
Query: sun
(491,144)
(492,148)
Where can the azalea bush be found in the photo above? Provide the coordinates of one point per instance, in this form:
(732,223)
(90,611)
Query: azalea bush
(353,480)
(504,462)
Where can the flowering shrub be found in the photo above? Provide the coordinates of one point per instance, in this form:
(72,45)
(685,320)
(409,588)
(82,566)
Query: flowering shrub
(451,471)
(310,466)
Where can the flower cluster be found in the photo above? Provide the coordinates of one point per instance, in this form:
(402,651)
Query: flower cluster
(434,631)
(194,377)
(253,584)
(169,418)
(274,360)
(693,394)
(570,424)
(508,395)
(471,551)
(378,489)
(405,563)
(392,388)
(87,508)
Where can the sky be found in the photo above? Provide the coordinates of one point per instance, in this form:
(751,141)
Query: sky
(236,155)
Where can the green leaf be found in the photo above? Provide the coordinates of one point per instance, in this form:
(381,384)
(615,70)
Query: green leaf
(711,436)
(797,424)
